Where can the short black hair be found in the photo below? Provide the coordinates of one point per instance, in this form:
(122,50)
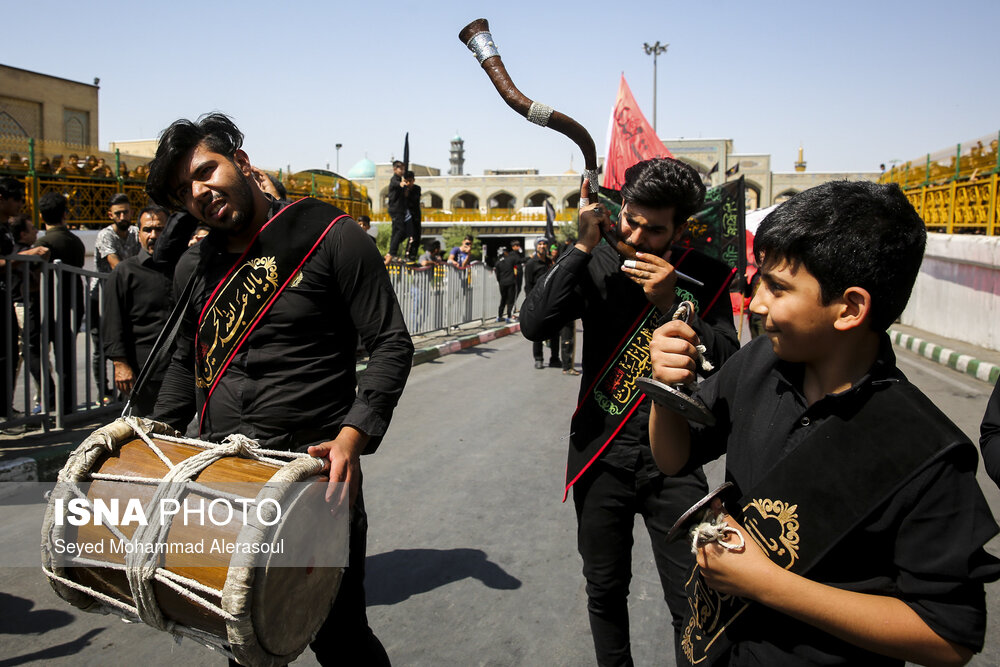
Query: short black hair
(216,130)
(849,234)
(11,188)
(662,183)
(364,218)
(409,175)
(119,198)
(19,225)
(52,207)
(397,163)
(155,209)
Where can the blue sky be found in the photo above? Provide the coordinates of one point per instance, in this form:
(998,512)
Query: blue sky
(857,83)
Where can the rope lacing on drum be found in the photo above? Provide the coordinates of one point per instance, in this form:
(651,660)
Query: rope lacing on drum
(143,565)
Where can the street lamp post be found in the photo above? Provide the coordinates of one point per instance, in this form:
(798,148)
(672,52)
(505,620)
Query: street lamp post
(654,50)
(338,146)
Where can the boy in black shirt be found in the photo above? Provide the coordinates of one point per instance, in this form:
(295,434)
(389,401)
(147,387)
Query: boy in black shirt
(859,531)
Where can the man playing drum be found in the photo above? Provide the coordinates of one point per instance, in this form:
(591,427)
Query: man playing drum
(266,348)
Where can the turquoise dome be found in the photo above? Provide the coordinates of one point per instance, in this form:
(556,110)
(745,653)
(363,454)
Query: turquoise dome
(364,168)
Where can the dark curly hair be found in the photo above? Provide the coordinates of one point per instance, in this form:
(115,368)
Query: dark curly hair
(847,234)
(664,182)
(216,130)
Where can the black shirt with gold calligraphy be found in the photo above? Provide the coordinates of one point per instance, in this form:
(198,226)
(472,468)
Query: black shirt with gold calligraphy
(293,383)
(924,544)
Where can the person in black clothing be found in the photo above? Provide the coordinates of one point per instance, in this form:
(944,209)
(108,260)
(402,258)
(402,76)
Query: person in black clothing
(610,467)
(989,436)
(505,274)
(855,497)
(63,245)
(25,289)
(534,270)
(397,205)
(412,217)
(518,256)
(284,373)
(137,302)
(11,201)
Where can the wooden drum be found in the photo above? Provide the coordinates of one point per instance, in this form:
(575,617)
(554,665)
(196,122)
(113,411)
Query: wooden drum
(261,604)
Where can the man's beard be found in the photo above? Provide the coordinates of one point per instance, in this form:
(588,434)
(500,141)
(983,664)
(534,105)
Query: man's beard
(659,252)
(122,225)
(240,203)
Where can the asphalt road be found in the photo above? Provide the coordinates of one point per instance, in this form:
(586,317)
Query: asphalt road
(472,557)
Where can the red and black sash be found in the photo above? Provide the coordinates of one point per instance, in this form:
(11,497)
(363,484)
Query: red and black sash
(242,298)
(818,493)
(613,394)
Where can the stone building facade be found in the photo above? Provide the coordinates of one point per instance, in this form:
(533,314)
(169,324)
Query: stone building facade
(47,107)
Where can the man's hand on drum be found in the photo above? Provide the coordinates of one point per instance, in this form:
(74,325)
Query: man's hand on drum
(673,353)
(656,276)
(344,463)
(593,218)
(124,377)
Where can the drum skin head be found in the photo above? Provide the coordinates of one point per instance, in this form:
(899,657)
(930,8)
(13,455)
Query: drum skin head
(281,619)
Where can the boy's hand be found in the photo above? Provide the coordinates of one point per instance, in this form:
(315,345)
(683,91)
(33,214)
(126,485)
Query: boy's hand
(742,572)
(673,354)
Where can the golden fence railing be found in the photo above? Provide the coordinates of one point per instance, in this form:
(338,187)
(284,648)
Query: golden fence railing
(89,196)
(966,207)
(475,215)
(955,191)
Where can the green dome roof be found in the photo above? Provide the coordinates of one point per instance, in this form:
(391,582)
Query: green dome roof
(364,168)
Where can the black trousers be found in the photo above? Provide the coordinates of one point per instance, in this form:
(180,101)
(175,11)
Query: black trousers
(8,358)
(413,241)
(538,350)
(508,293)
(32,349)
(97,359)
(398,234)
(345,638)
(567,347)
(607,499)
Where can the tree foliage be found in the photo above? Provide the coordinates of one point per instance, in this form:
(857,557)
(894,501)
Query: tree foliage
(383,237)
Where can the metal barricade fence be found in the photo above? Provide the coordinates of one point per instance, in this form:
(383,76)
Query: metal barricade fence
(51,377)
(442,297)
(51,315)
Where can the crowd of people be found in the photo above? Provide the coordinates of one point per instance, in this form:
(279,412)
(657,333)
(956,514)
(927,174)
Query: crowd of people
(845,477)
(72,165)
(123,310)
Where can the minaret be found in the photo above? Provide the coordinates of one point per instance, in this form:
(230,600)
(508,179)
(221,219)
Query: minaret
(457,158)
(800,165)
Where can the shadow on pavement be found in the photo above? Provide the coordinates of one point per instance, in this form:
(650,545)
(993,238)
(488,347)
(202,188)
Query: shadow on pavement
(17,618)
(58,651)
(395,576)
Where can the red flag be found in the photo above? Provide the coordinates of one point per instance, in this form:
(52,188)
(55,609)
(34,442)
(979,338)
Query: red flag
(631,139)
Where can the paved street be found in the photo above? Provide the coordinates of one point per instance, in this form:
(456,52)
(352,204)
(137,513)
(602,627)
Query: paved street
(472,557)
